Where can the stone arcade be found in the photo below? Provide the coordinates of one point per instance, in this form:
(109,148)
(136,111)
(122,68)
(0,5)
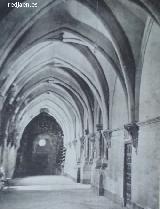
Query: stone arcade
(92,67)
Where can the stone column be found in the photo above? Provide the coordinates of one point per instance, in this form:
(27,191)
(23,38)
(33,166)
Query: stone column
(86,146)
(85,164)
(107,134)
(74,142)
(99,143)
(99,146)
(133,131)
(82,141)
(1,135)
(92,147)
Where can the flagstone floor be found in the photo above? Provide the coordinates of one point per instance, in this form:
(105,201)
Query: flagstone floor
(51,192)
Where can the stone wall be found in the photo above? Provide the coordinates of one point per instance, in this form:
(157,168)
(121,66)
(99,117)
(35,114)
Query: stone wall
(146,162)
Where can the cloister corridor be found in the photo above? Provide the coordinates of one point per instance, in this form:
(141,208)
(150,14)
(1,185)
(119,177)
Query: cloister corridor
(51,192)
(80,104)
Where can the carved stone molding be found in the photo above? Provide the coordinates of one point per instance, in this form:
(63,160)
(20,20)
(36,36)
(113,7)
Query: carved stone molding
(1,138)
(1,101)
(99,127)
(74,142)
(101,164)
(46,110)
(92,138)
(149,122)
(3,80)
(86,132)
(98,135)
(12,138)
(92,141)
(133,131)
(9,109)
(107,134)
(82,141)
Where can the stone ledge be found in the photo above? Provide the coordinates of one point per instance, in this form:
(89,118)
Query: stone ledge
(69,176)
(116,199)
(135,206)
(112,197)
(140,123)
(149,121)
(85,181)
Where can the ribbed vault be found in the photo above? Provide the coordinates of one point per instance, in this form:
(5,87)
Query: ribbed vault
(57,56)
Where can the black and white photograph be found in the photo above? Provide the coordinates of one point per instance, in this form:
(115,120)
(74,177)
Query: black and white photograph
(79,104)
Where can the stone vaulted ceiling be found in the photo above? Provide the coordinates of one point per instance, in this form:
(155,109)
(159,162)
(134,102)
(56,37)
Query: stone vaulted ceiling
(57,56)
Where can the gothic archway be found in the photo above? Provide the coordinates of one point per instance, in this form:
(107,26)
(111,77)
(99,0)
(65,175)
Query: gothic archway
(41,148)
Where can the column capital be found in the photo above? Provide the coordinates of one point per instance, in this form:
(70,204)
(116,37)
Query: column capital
(86,131)
(107,134)
(99,127)
(133,131)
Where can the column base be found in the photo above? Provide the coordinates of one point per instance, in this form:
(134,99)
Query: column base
(86,173)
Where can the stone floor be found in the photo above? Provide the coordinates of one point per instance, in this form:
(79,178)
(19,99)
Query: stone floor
(51,192)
